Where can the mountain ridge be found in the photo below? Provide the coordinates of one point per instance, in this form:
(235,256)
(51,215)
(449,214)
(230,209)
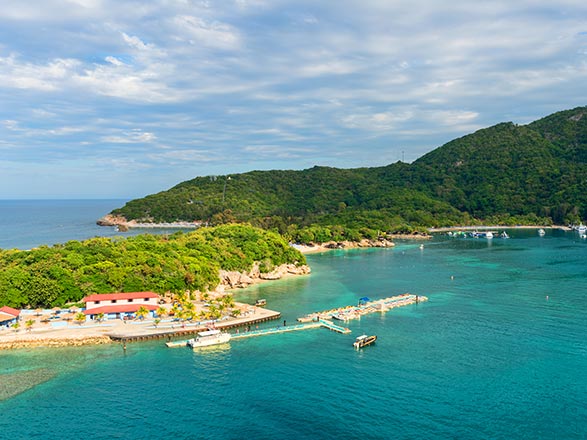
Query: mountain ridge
(527,173)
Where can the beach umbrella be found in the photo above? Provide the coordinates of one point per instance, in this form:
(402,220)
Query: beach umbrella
(67,316)
(56,310)
(38,312)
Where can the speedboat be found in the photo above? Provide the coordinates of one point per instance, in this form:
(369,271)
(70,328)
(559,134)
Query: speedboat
(364,340)
(541,232)
(210,337)
(504,234)
(581,229)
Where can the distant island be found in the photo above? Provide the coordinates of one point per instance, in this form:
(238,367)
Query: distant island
(507,174)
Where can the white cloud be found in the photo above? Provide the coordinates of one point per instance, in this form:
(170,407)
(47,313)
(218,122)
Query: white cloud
(42,77)
(380,121)
(198,31)
(114,60)
(133,137)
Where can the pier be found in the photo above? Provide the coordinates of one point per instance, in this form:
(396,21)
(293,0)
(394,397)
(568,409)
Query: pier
(354,312)
(178,330)
(275,330)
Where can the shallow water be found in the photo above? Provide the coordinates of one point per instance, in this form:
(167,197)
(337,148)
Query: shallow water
(488,356)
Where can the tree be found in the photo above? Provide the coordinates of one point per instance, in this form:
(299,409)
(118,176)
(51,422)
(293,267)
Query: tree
(100,317)
(29,324)
(15,326)
(142,312)
(161,311)
(80,318)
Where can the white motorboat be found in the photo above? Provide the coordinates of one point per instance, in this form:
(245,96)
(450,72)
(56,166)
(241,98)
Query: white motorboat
(364,340)
(541,232)
(210,337)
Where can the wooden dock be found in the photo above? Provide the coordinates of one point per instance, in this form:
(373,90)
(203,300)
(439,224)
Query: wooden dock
(164,332)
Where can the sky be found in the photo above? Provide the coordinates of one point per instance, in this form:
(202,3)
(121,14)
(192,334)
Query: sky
(124,98)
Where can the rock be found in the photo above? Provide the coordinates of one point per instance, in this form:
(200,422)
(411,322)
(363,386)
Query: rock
(112,220)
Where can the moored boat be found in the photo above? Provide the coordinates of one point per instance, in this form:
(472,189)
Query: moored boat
(541,232)
(210,337)
(261,302)
(364,340)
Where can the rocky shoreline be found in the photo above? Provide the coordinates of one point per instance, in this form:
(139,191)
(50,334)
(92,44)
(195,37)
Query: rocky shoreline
(124,224)
(233,279)
(37,341)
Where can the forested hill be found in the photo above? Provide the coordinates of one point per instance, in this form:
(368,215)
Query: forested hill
(508,173)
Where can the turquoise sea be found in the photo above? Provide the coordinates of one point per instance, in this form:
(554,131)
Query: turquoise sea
(498,352)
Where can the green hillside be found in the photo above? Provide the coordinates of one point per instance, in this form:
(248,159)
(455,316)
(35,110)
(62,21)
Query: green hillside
(50,276)
(510,173)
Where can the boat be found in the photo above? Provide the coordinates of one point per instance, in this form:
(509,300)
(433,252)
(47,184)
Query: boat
(209,337)
(541,232)
(364,340)
(261,302)
(339,316)
(489,235)
(581,229)
(504,234)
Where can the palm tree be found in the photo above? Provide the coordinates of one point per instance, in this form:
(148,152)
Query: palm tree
(156,322)
(142,312)
(161,311)
(100,317)
(80,318)
(29,324)
(15,326)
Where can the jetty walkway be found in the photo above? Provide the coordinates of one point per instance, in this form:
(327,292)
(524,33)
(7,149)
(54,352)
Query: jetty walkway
(275,330)
(354,312)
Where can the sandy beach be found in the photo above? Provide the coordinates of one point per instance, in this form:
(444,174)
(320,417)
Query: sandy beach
(91,332)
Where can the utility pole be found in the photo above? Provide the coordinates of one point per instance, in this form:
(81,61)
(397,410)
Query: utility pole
(224,190)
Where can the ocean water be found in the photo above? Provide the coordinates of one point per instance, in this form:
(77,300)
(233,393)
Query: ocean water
(25,224)
(498,352)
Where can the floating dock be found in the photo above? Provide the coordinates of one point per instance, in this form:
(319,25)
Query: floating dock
(354,312)
(332,326)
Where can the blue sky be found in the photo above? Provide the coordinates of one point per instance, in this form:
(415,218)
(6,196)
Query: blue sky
(120,98)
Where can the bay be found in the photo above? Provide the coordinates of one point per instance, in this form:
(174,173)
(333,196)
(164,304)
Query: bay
(26,224)
(497,352)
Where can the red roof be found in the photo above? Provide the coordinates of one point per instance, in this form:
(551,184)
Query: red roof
(122,308)
(127,295)
(9,311)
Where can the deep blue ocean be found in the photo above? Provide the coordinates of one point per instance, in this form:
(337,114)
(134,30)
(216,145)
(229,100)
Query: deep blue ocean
(498,352)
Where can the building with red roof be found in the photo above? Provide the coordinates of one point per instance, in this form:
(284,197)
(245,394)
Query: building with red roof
(8,315)
(120,305)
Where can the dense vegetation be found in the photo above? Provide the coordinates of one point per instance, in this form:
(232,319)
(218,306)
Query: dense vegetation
(510,174)
(61,274)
